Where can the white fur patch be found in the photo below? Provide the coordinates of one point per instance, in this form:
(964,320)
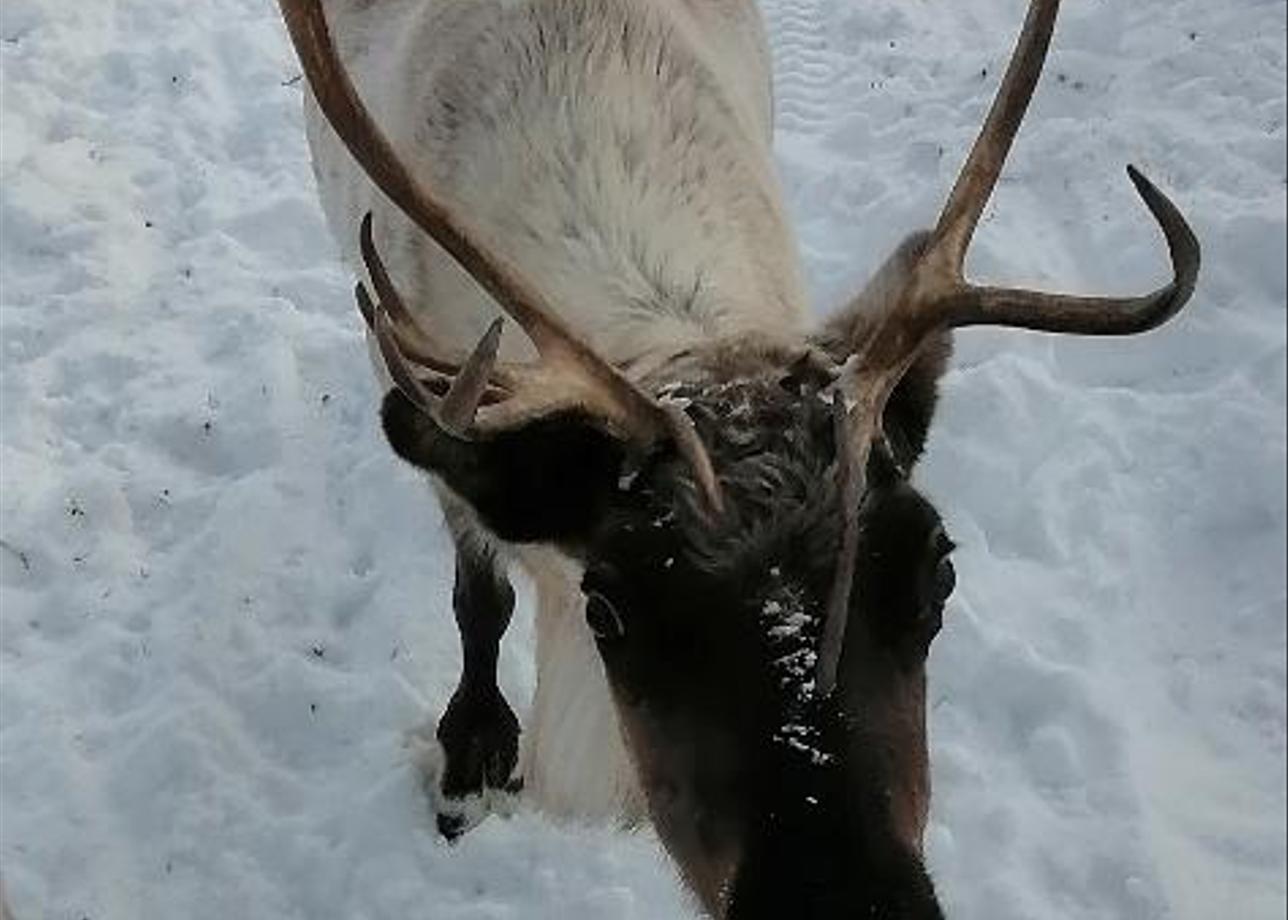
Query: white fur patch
(573,757)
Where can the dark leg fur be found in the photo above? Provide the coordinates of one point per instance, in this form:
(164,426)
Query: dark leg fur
(479,732)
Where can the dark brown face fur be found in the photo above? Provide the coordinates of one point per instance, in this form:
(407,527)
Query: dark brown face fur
(773,801)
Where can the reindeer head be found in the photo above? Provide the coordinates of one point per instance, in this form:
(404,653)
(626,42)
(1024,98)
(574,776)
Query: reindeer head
(761,578)
(709,623)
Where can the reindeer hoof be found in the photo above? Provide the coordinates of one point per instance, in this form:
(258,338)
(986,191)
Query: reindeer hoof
(480,738)
(470,772)
(454,818)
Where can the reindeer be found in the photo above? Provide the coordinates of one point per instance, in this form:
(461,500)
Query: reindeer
(737,583)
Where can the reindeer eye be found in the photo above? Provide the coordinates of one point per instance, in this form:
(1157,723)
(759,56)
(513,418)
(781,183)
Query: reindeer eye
(602,617)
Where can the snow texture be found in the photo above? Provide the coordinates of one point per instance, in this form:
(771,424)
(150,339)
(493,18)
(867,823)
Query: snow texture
(225,605)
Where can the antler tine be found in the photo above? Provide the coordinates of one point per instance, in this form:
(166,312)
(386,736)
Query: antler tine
(1066,313)
(446,373)
(978,177)
(399,369)
(462,400)
(366,306)
(415,343)
(455,411)
(380,280)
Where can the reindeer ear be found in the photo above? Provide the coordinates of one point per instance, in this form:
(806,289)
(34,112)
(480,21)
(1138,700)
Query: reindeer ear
(911,406)
(547,482)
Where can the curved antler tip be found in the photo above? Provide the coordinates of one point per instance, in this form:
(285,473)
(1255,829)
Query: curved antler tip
(364,229)
(459,407)
(1144,185)
(399,370)
(1181,239)
(366,306)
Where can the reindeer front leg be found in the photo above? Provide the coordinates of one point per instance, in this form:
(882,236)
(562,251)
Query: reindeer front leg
(478,732)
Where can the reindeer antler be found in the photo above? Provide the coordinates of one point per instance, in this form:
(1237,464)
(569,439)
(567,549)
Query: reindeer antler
(568,374)
(938,297)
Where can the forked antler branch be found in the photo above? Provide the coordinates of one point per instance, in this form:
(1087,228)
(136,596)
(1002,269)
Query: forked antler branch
(938,297)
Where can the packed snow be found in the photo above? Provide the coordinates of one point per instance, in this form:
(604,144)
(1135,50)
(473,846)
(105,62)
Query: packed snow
(225,604)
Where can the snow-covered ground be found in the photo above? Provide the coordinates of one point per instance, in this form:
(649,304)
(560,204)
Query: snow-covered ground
(224,603)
